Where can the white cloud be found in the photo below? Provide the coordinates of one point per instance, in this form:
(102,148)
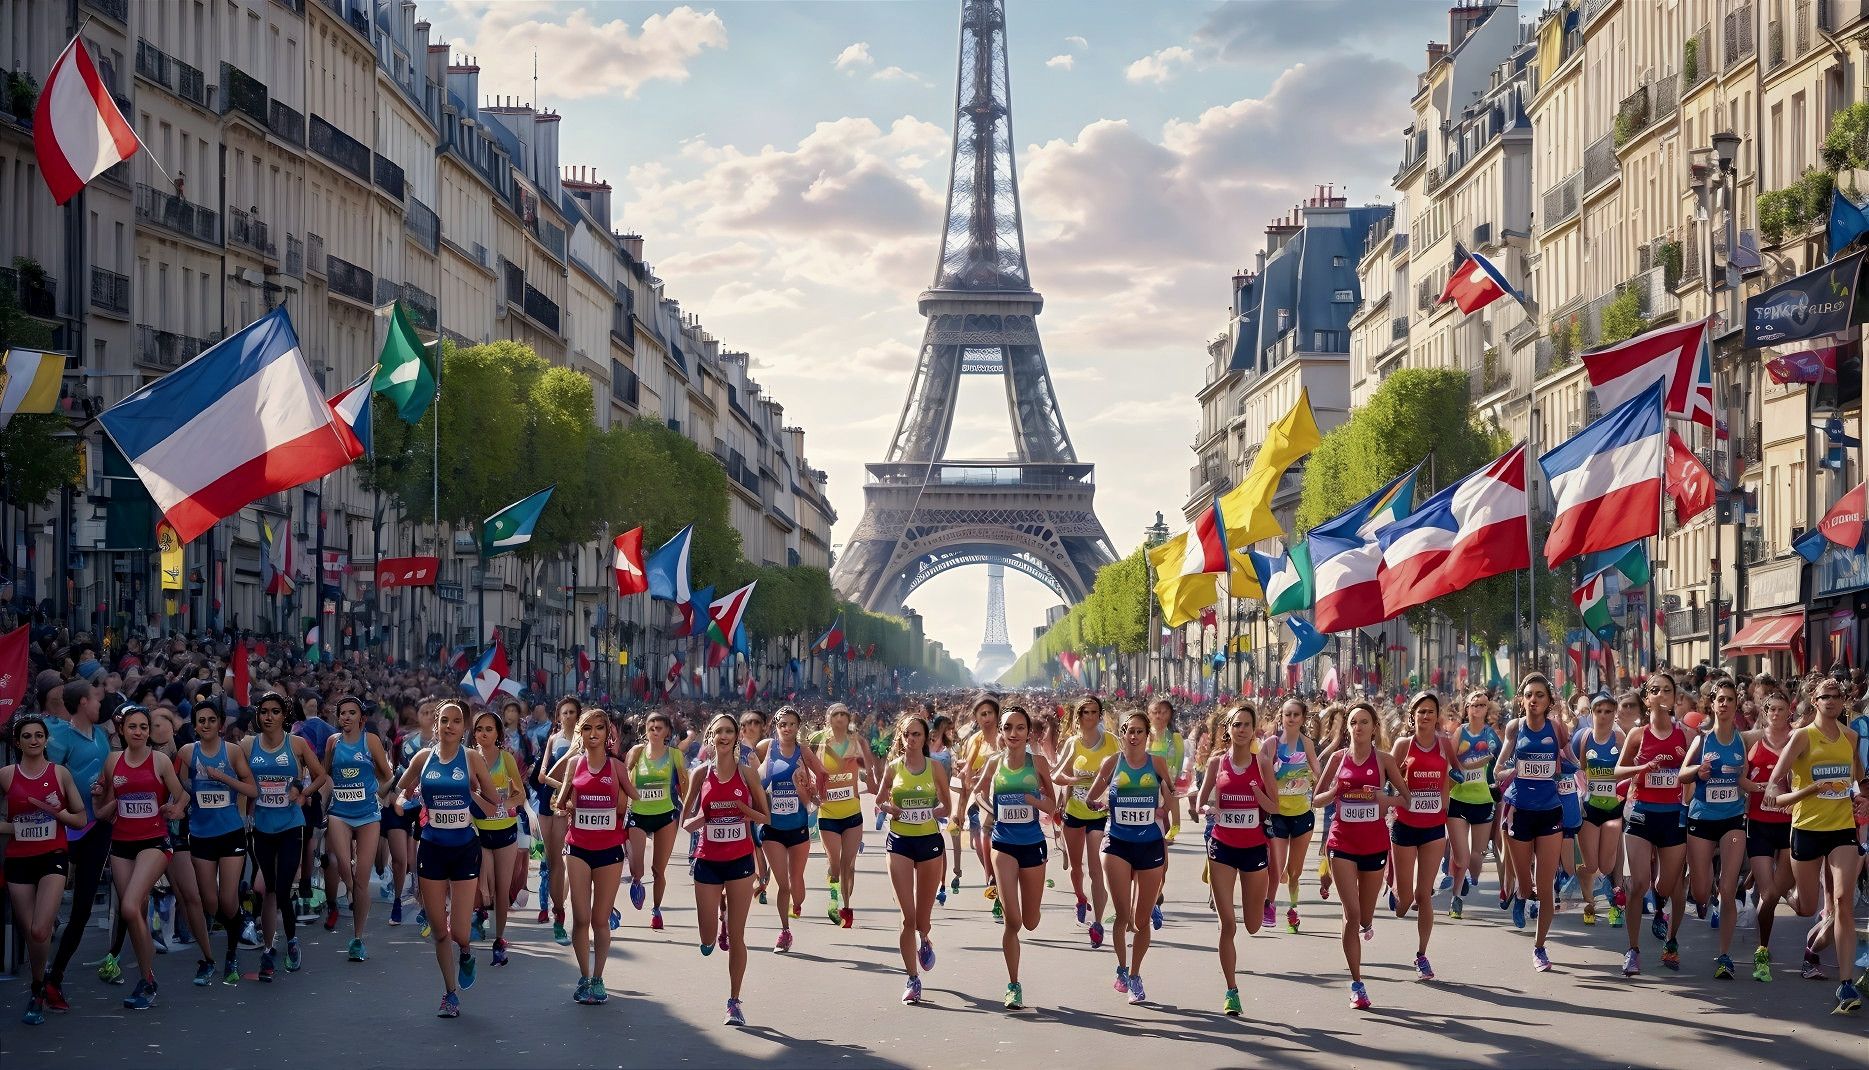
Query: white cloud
(897,74)
(1160,65)
(588,57)
(1076,40)
(854,56)
(1065,61)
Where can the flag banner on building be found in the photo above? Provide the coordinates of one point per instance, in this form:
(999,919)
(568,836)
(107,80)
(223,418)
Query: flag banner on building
(29,382)
(1847,223)
(15,676)
(1807,366)
(831,639)
(169,549)
(1473,283)
(77,131)
(1813,304)
(1204,546)
(1472,529)
(626,561)
(1843,524)
(1346,559)
(1182,596)
(1309,641)
(352,405)
(1248,507)
(724,615)
(393,572)
(1607,480)
(1285,578)
(1689,482)
(668,569)
(1676,356)
(511,527)
(490,675)
(404,370)
(336,566)
(243,420)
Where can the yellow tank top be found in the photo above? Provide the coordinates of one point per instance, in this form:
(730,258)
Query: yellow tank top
(1085,761)
(506,788)
(840,782)
(1825,762)
(914,793)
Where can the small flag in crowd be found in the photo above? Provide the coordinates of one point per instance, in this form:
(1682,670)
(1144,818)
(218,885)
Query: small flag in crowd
(488,676)
(831,639)
(1073,665)
(725,614)
(77,131)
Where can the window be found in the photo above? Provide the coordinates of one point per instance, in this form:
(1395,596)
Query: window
(1336,261)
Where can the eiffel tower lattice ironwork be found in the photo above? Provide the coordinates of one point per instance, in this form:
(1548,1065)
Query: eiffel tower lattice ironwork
(996,653)
(924,512)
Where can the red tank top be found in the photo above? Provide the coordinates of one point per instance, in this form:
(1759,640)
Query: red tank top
(1359,828)
(1238,822)
(35,832)
(1760,763)
(726,834)
(595,824)
(140,797)
(1426,771)
(1661,787)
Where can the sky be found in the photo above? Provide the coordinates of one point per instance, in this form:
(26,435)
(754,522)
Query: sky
(786,163)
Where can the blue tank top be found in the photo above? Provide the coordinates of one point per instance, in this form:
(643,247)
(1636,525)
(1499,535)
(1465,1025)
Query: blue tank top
(1717,797)
(1569,799)
(215,810)
(412,745)
(1598,772)
(1015,819)
(1135,792)
(353,781)
(274,771)
(788,811)
(1535,768)
(446,793)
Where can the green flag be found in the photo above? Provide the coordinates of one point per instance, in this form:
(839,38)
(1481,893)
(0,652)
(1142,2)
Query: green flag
(405,375)
(511,527)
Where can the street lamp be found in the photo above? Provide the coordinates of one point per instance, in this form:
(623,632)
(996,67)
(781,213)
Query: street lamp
(1714,180)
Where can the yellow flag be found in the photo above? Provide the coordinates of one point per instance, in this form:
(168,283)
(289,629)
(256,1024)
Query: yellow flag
(1248,507)
(1242,578)
(1182,597)
(171,547)
(29,382)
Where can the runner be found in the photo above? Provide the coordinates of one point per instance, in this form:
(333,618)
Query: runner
(1353,779)
(1078,766)
(593,796)
(1012,790)
(40,797)
(1716,816)
(1472,812)
(1289,830)
(1654,840)
(914,794)
(359,768)
(552,823)
(786,839)
(214,774)
(81,745)
(1528,770)
(1137,788)
(498,830)
(941,749)
(1599,842)
(284,771)
(400,828)
(752,734)
(1419,835)
(723,809)
(1235,792)
(139,786)
(975,750)
(1172,747)
(452,781)
(660,779)
(847,761)
(1768,827)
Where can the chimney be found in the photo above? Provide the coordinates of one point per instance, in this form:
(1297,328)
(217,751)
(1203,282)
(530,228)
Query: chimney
(582,182)
(632,244)
(1436,53)
(545,151)
(464,82)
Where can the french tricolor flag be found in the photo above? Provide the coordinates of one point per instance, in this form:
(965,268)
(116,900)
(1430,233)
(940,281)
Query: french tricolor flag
(1607,479)
(1346,559)
(352,406)
(1206,543)
(1469,531)
(243,420)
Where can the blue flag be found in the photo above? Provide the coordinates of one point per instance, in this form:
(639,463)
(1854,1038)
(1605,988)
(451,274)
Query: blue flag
(1811,545)
(667,569)
(694,611)
(511,527)
(1847,223)
(1311,642)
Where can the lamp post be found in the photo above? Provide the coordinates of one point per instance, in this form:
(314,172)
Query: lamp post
(1714,180)
(1153,535)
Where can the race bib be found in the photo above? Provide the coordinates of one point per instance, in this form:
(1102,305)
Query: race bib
(1239,819)
(35,829)
(843,794)
(1722,794)
(1543,769)
(1567,784)
(213,799)
(784,804)
(1295,786)
(1357,812)
(1424,804)
(917,815)
(1662,779)
(1135,815)
(448,819)
(275,793)
(137,804)
(356,794)
(656,794)
(597,820)
(1014,814)
(1081,795)
(1601,788)
(732,831)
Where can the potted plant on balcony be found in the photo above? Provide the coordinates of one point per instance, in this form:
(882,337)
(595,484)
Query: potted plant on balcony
(22,92)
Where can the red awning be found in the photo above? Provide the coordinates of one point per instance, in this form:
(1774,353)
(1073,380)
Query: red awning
(1763,635)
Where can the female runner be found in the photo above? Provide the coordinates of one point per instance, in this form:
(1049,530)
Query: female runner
(1138,789)
(752,734)
(1653,838)
(1083,757)
(552,823)
(498,830)
(214,774)
(941,748)
(979,746)
(1599,842)
(914,794)
(1716,815)
(1419,835)
(661,781)
(786,839)
(1528,770)
(284,771)
(418,726)
(847,760)
(1011,791)
(1235,792)
(1353,779)
(593,796)
(1768,826)
(1172,747)
(723,810)
(1471,810)
(452,781)
(140,787)
(41,802)
(358,767)
(1291,826)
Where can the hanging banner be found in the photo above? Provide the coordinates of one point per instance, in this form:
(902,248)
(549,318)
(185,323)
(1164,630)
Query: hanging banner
(1815,303)
(394,572)
(170,544)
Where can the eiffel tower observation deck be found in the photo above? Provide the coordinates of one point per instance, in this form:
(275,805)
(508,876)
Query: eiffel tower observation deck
(926,512)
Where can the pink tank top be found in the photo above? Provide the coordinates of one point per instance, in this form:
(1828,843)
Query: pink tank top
(1359,828)
(140,795)
(1238,822)
(595,824)
(726,834)
(35,832)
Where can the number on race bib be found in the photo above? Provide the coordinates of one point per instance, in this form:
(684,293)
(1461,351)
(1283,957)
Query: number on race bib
(1602,788)
(1135,815)
(1016,814)
(213,799)
(838,795)
(1662,779)
(729,831)
(139,804)
(448,819)
(32,829)
(917,815)
(355,794)
(1239,819)
(597,820)
(1722,793)
(275,793)
(1355,812)
(784,804)
(655,794)
(1541,769)
(1424,804)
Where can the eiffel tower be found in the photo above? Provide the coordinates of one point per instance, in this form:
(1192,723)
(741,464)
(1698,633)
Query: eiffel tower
(996,653)
(925,512)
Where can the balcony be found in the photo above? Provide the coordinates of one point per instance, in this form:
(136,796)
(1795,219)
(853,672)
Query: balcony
(114,9)
(152,63)
(286,123)
(250,233)
(1599,163)
(243,93)
(1414,151)
(1647,106)
(1753,449)
(1398,329)
(1774,46)
(1737,38)
(625,388)
(341,149)
(164,350)
(175,214)
(1434,179)
(348,280)
(1482,236)
(1591,9)
(110,292)
(1802,24)
(512,282)
(542,309)
(1561,200)
(295,256)
(314,253)
(1696,59)
(191,85)
(37,294)
(420,305)
(388,176)
(420,222)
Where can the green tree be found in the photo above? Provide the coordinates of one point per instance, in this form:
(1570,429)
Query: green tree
(38,458)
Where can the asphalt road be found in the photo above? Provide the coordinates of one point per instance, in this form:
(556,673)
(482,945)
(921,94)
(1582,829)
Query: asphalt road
(833,1001)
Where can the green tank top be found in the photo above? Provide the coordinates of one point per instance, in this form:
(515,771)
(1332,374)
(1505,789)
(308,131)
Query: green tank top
(655,784)
(914,793)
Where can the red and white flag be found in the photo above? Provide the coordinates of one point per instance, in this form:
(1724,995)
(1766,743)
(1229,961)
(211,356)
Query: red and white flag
(1473,529)
(1674,355)
(77,131)
(1843,524)
(1205,548)
(1689,482)
(631,579)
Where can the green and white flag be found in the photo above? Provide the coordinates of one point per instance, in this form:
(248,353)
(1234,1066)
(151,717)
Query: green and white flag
(405,373)
(1285,578)
(511,527)
(1630,563)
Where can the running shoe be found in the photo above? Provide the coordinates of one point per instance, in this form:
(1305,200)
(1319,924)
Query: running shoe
(1761,965)
(1505,900)
(427,929)
(1155,917)
(232,976)
(1122,979)
(204,973)
(450,1006)
(1447,881)
(1454,907)
(356,952)
(1541,961)
(1631,963)
(1723,968)
(999,912)
(837,896)
(720,926)
(144,996)
(1291,919)
(1083,910)
(499,952)
(1096,935)
(1671,955)
(1369,934)
(1615,917)
(1423,971)
(395,913)
(1659,926)
(249,935)
(1518,912)
(735,1014)
(1393,902)
(1531,908)
(616,919)
(759,892)
(110,971)
(1359,996)
(54,999)
(421,918)
(655,919)
(912,992)
(464,971)
(1700,908)
(706,950)
(266,965)
(545,915)
(35,1012)
(1813,968)
(330,918)
(597,994)
(636,896)
(1713,919)
(1271,915)
(941,894)
(559,935)
(1231,1005)
(1136,994)
(1589,913)
(478,931)
(294,960)
(1015,997)
(583,993)
(848,917)
(785,941)
(926,956)
(1849,1001)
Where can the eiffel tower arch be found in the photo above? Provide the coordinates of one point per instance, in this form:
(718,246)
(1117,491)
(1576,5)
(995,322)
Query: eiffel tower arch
(925,512)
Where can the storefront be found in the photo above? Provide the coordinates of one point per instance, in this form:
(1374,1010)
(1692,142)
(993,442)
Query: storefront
(1774,618)
(1839,607)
